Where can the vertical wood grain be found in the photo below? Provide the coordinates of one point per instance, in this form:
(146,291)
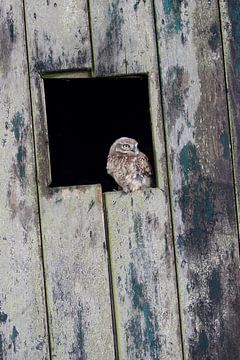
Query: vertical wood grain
(145,298)
(230,12)
(23,329)
(77,274)
(76,262)
(123,42)
(196,121)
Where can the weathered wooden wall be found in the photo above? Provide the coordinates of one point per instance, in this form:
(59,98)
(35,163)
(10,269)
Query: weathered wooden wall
(172,252)
(230,12)
(200,169)
(23,329)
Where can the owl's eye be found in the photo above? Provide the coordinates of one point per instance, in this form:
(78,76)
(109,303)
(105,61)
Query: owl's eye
(126,146)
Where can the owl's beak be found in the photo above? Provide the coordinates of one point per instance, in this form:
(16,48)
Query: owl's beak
(136,149)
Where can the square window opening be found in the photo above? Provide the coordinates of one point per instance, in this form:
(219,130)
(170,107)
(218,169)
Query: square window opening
(85,116)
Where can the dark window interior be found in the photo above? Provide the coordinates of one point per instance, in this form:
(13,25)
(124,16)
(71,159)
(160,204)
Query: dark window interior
(85,116)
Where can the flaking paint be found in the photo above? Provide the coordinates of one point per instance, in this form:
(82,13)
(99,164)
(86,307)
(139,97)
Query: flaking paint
(146,342)
(199,349)
(197,202)
(1,347)
(137,3)
(189,161)
(213,40)
(14,336)
(172,11)
(214,283)
(224,140)
(234,16)
(19,130)
(3,317)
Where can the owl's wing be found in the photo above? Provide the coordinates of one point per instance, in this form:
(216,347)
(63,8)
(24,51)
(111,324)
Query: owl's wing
(112,164)
(143,166)
(109,164)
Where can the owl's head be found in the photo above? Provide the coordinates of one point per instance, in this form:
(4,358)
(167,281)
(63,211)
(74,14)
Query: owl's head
(125,145)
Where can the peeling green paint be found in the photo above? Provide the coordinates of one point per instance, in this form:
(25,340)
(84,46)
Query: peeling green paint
(178,90)
(117,20)
(189,160)
(14,336)
(21,160)
(197,202)
(214,283)
(174,71)
(135,330)
(199,349)
(137,288)
(1,347)
(113,42)
(203,341)
(138,229)
(7,28)
(213,40)
(224,139)
(78,347)
(172,10)
(234,16)
(80,334)
(18,128)
(146,343)
(204,208)
(181,243)
(137,4)
(17,125)
(174,76)
(3,317)
(11,25)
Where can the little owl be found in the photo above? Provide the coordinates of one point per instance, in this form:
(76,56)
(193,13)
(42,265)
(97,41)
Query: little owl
(129,167)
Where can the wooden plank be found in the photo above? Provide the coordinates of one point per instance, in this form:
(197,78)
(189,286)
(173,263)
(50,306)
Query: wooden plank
(124,43)
(23,328)
(145,300)
(72,218)
(230,12)
(77,274)
(203,199)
